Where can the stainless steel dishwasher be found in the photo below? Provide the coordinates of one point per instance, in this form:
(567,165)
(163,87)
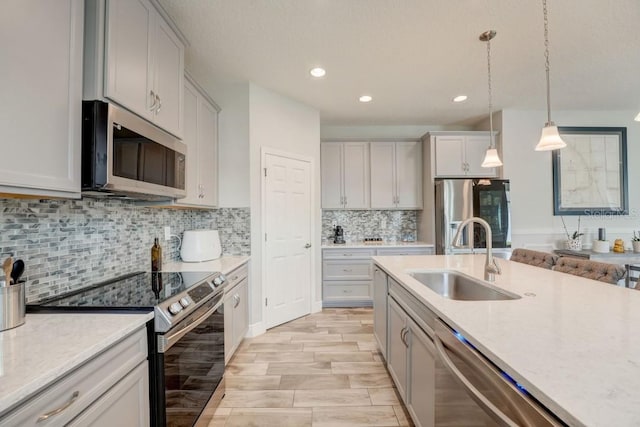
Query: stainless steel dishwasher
(471,391)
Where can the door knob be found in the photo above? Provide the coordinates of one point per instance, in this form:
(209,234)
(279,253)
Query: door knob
(307,246)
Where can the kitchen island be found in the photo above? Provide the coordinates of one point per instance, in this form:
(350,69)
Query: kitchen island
(571,342)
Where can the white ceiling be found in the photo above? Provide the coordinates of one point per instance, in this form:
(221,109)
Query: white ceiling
(413,56)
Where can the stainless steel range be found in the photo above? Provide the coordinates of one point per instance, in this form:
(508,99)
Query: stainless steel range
(186,337)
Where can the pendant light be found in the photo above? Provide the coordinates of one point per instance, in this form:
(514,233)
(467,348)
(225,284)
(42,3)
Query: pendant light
(637,119)
(491,158)
(550,138)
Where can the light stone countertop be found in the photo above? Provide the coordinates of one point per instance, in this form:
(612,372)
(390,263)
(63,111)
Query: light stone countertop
(574,345)
(48,346)
(382,245)
(224,264)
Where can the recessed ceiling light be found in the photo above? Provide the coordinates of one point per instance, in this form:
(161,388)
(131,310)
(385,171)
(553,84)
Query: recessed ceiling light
(317,72)
(460,98)
(365,98)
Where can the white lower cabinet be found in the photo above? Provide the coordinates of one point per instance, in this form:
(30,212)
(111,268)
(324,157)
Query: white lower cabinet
(236,311)
(121,405)
(380,289)
(110,389)
(411,359)
(421,396)
(397,352)
(347,274)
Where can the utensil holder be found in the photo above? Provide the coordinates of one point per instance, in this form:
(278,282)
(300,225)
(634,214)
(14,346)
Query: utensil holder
(12,306)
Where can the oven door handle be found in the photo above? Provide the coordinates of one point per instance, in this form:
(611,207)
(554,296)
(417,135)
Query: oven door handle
(165,343)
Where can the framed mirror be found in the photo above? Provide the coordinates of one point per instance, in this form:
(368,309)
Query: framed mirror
(590,173)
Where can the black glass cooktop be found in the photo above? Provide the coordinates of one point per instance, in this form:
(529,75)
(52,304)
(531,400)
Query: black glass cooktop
(137,291)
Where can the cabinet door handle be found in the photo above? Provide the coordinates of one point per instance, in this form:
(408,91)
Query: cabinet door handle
(55,412)
(159,104)
(403,335)
(236,297)
(307,246)
(154,100)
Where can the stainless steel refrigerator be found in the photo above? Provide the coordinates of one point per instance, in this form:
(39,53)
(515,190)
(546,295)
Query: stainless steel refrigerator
(459,199)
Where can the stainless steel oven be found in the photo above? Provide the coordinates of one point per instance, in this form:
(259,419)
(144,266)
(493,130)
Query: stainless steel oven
(190,365)
(186,335)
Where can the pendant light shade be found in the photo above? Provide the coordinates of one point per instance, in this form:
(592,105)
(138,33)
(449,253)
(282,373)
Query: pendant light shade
(550,137)
(491,157)
(637,119)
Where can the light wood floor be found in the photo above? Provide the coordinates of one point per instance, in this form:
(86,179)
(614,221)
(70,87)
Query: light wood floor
(320,370)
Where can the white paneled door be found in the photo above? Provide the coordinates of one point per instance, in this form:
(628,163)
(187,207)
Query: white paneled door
(288,219)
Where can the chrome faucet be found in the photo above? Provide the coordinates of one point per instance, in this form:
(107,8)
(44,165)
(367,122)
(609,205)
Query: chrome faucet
(491,267)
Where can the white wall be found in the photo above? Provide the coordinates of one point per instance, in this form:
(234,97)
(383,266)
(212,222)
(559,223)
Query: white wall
(530,173)
(283,124)
(233,145)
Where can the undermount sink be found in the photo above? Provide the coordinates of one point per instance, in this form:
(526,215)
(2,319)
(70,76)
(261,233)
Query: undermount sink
(456,286)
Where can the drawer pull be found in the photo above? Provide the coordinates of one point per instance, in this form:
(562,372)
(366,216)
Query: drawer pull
(347,291)
(347,270)
(347,254)
(50,414)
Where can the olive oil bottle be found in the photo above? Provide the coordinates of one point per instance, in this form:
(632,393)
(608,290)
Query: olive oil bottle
(156,256)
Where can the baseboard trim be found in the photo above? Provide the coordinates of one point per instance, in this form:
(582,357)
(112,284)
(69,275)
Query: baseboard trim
(256,329)
(316,306)
(346,304)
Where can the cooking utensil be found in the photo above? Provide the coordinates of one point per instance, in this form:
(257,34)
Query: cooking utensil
(7,266)
(17,270)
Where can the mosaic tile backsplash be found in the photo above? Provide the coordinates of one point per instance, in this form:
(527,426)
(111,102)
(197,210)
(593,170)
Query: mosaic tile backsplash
(69,244)
(400,225)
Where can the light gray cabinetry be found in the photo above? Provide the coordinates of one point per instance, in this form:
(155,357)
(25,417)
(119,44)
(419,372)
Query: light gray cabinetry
(120,406)
(397,354)
(236,310)
(411,355)
(345,175)
(134,56)
(348,278)
(94,394)
(396,175)
(41,92)
(380,289)
(460,154)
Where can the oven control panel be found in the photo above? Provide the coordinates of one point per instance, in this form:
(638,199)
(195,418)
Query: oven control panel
(179,306)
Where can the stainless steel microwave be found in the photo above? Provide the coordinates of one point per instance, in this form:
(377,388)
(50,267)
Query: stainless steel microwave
(123,155)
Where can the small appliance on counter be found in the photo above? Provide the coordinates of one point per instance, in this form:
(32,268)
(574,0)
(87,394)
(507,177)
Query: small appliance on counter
(200,246)
(338,235)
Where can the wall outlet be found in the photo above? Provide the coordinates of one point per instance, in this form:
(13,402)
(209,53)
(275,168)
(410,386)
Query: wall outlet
(167,233)
(383,224)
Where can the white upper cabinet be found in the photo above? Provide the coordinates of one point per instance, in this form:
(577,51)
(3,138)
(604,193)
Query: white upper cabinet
(41,87)
(142,57)
(461,156)
(201,138)
(345,175)
(168,81)
(129,30)
(396,175)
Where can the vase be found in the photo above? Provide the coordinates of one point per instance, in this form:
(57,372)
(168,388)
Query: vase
(636,246)
(574,244)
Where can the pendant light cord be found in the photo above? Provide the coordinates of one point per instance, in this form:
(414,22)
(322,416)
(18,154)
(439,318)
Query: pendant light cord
(546,60)
(491,142)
